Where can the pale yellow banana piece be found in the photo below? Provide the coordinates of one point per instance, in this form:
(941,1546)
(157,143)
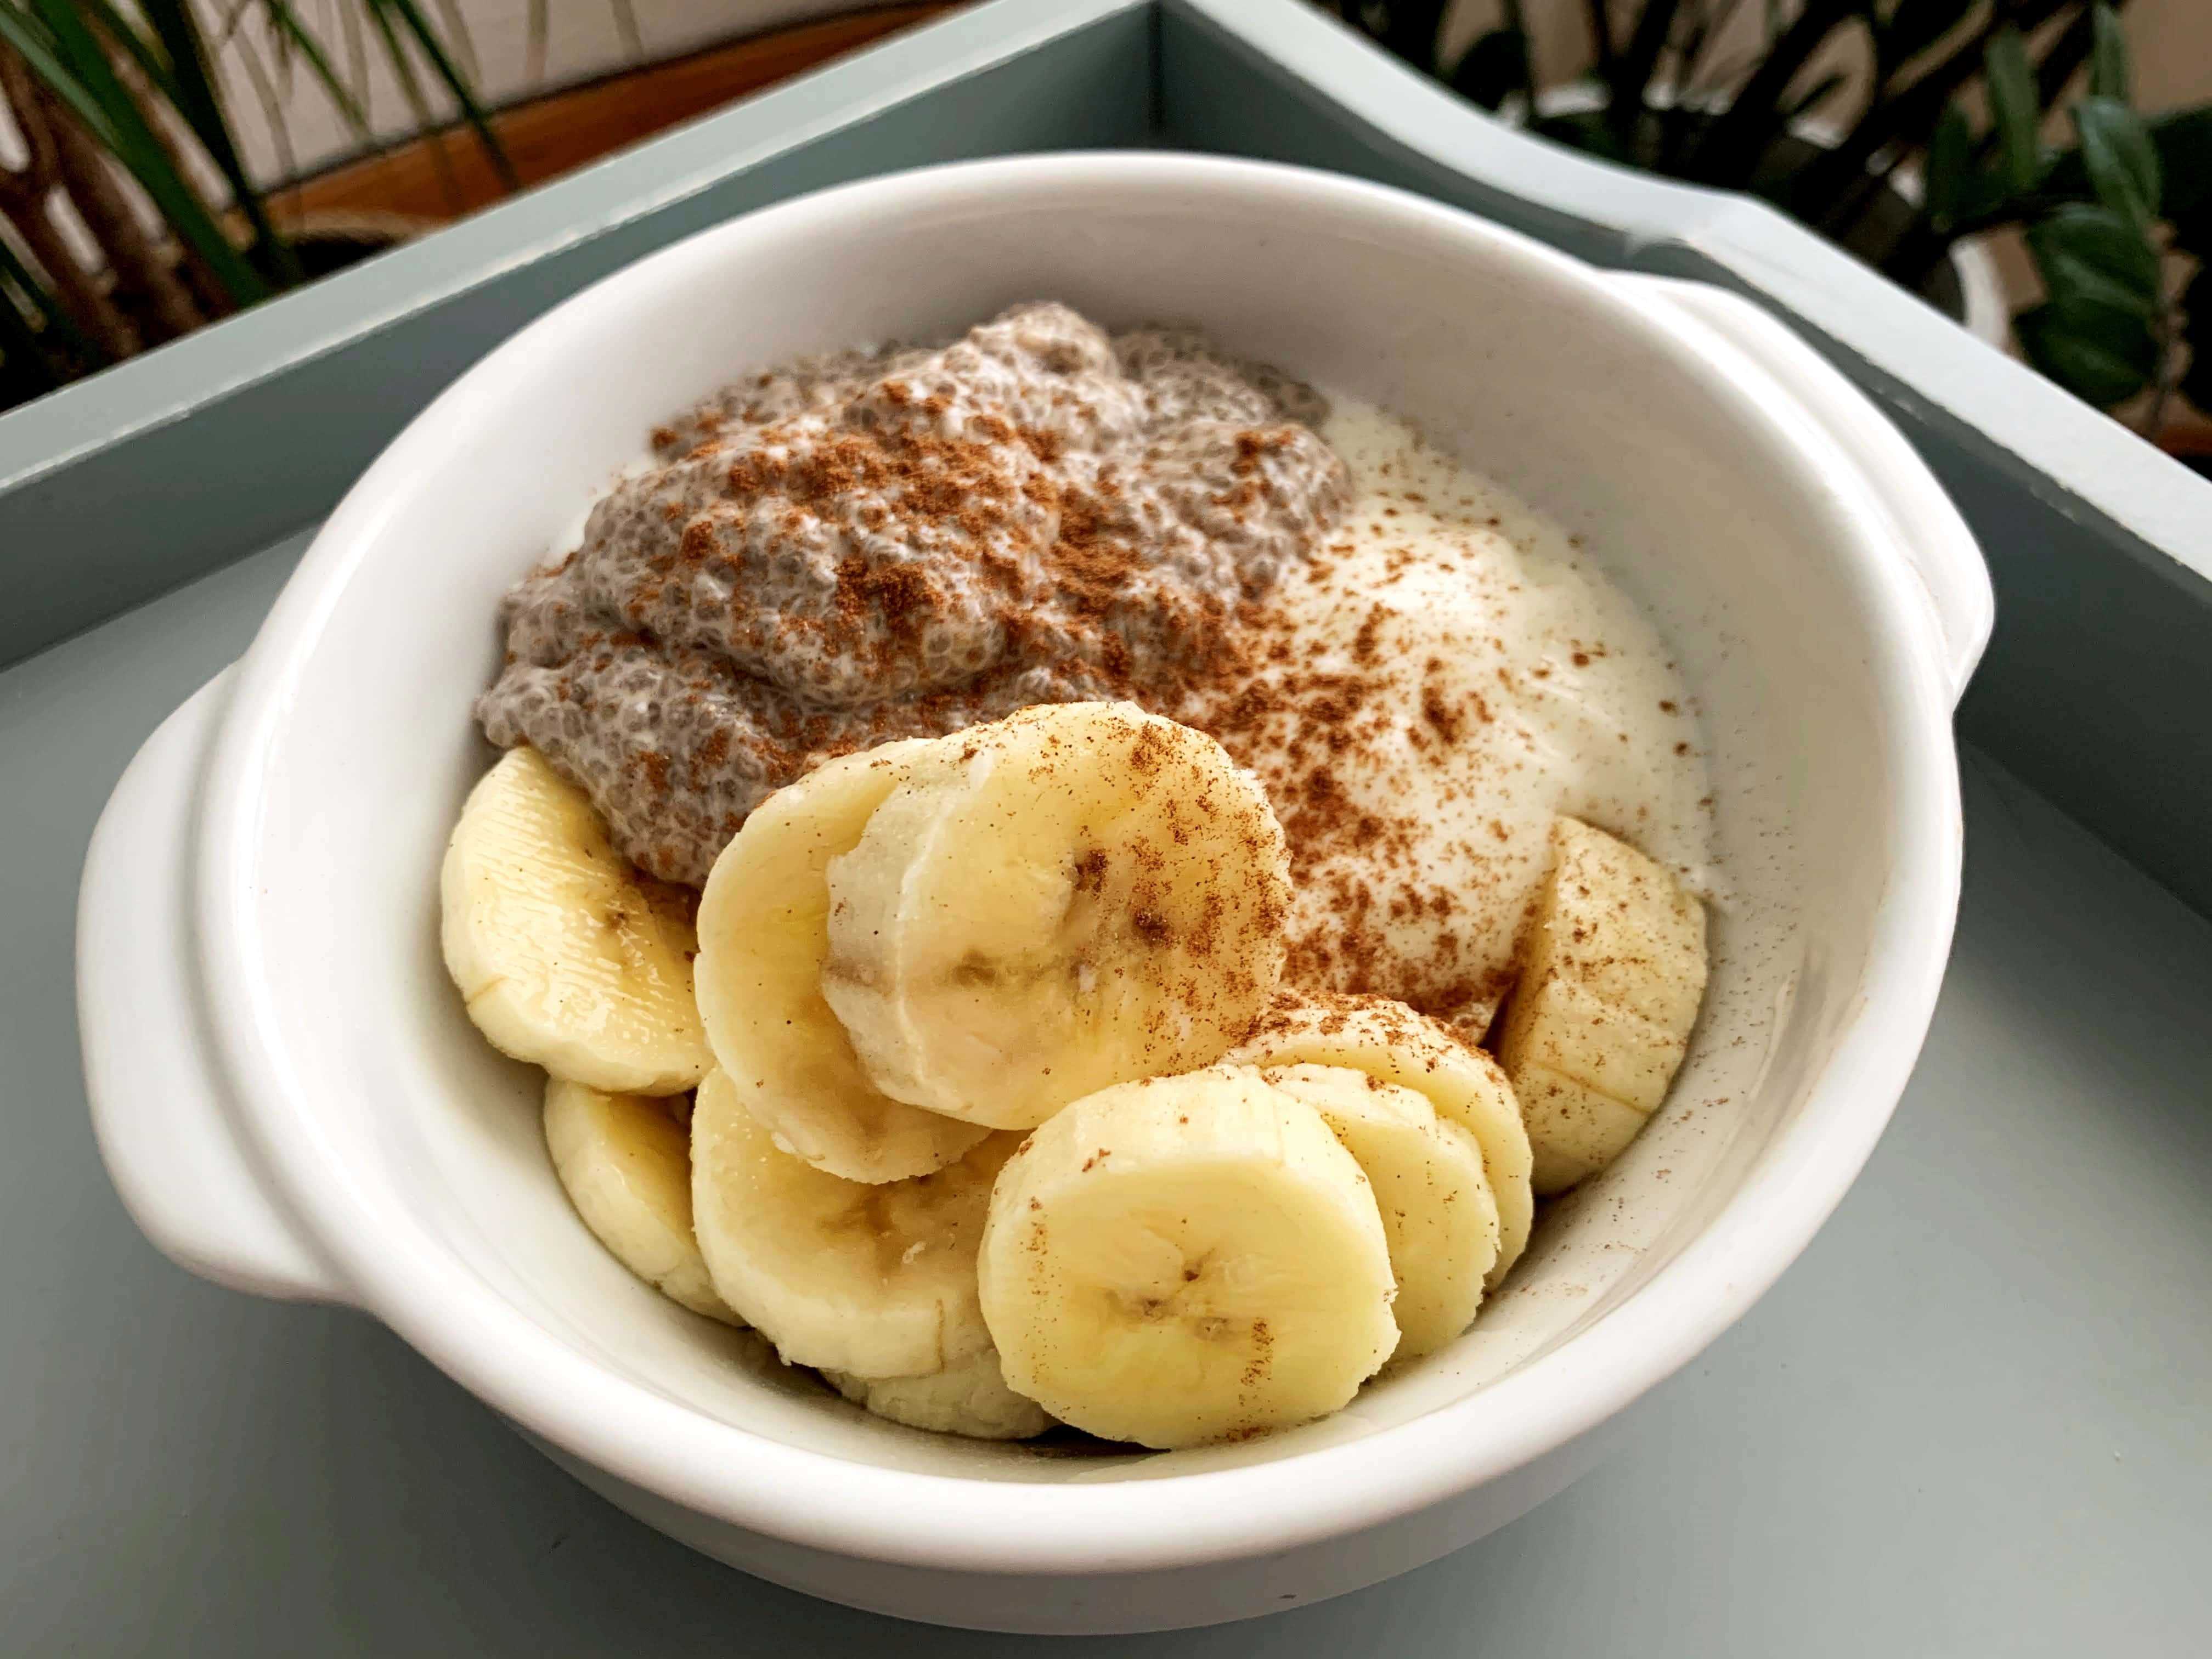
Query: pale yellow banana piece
(1610,983)
(1389,1041)
(1427,1177)
(565,955)
(969,1398)
(1185,1260)
(877,1279)
(762,938)
(1073,897)
(626,1163)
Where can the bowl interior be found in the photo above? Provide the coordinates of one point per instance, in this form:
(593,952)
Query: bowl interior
(1676,481)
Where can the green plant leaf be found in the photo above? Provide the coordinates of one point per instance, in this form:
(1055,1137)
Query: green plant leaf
(2102,357)
(407,16)
(74,65)
(2108,56)
(150,58)
(2121,160)
(289,30)
(193,94)
(2012,107)
(2091,255)
(1493,69)
(1950,168)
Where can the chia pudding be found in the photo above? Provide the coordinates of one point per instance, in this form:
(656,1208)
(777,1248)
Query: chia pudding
(873,545)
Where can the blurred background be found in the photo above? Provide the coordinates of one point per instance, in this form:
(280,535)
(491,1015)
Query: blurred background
(2041,169)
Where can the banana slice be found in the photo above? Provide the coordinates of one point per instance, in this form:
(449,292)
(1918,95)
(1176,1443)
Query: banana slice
(1184,1260)
(878,1279)
(1075,896)
(566,956)
(1613,975)
(970,1398)
(626,1162)
(1438,1213)
(761,940)
(1389,1041)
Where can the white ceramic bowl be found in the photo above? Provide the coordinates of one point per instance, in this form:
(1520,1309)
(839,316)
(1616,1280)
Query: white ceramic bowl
(291,1100)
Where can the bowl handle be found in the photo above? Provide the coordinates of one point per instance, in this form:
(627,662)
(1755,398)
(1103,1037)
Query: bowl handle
(159,1101)
(1936,542)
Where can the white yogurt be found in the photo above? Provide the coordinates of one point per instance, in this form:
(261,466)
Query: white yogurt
(1457,672)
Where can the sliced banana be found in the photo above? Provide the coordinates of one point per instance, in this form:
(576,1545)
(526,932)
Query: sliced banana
(1073,897)
(1389,1041)
(1184,1260)
(763,937)
(1599,1023)
(626,1162)
(1438,1213)
(874,1279)
(566,956)
(969,1398)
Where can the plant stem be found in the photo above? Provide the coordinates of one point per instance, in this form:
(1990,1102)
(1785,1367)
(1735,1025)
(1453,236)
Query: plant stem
(207,291)
(1632,73)
(1835,222)
(2167,327)
(1600,32)
(114,224)
(1733,145)
(1911,115)
(24,195)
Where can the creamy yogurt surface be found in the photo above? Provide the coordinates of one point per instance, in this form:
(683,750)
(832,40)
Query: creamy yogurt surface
(1422,671)
(1442,675)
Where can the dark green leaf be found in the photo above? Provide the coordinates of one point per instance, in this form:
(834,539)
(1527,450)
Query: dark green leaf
(1493,69)
(291,33)
(408,17)
(2102,357)
(2093,255)
(2108,57)
(2196,331)
(192,91)
(77,70)
(2121,160)
(34,42)
(1950,168)
(147,54)
(2012,107)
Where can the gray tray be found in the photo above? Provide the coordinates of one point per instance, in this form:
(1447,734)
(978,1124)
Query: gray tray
(1971,1420)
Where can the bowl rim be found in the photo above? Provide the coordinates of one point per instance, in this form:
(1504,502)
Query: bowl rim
(844,1506)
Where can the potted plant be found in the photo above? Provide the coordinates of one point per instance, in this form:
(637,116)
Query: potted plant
(1893,164)
(122,123)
